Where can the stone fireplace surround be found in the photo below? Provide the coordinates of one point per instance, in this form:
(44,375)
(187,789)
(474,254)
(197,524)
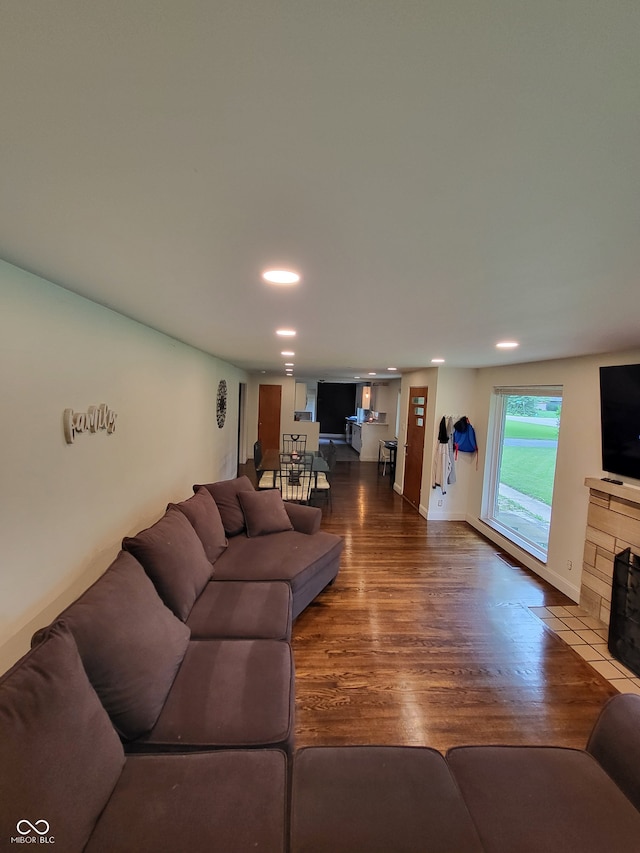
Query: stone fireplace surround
(613,524)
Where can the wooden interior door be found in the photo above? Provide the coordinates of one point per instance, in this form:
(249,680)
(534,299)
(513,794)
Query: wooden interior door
(414,448)
(269,405)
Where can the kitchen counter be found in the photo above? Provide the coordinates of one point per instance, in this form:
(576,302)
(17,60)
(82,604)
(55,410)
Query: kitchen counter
(365,438)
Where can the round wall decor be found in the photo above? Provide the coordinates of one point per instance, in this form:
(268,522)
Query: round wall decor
(221,403)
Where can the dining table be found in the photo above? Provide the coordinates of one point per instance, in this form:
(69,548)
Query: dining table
(271,461)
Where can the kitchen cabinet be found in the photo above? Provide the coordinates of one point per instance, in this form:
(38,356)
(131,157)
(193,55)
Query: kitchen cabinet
(365,439)
(371,435)
(356,437)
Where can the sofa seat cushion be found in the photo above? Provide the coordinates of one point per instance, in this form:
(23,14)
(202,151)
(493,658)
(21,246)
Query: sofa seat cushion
(174,558)
(242,610)
(377,799)
(228,693)
(131,645)
(204,516)
(543,798)
(295,557)
(59,755)
(222,802)
(225,494)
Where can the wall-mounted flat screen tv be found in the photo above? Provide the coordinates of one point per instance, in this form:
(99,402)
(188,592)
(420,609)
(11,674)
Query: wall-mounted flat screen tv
(620,418)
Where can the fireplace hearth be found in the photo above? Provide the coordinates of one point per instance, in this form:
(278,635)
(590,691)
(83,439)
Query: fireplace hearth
(624,623)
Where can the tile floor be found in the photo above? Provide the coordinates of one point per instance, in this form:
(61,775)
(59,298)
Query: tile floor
(588,636)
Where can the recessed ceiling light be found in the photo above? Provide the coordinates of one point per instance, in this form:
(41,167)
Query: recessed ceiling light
(356,377)
(371,374)
(281,276)
(507,345)
(392,368)
(286,333)
(287,352)
(437,361)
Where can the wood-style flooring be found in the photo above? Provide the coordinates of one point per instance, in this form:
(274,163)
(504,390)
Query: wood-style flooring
(426,637)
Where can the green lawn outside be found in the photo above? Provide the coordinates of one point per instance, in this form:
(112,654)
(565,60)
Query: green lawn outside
(522,429)
(530,470)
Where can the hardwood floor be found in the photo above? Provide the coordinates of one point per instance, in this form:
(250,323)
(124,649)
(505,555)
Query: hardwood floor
(426,637)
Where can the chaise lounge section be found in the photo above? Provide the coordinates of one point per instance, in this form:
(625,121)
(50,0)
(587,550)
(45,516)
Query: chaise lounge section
(267,544)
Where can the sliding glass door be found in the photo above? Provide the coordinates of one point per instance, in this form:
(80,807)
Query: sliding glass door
(523,444)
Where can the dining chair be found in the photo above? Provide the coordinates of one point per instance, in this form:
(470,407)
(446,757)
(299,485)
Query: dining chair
(294,442)
(322,480)
(384,456)
(265,479)
(295,478)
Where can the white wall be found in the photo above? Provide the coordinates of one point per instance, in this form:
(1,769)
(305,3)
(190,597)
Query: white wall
(578,457)
(386,400)
(455,396)
(65,508)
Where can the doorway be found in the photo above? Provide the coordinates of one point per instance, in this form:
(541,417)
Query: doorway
(336,401)
(414,448)
(269,407)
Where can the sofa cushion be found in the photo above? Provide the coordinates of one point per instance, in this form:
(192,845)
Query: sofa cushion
(225,494)
(378,799)
(227,694)
(615,745)
(59,754)
(174,558)
(264,512)
(535,798)
(131,645)
(204,515)
(307,563)
(242,610)
(228,801)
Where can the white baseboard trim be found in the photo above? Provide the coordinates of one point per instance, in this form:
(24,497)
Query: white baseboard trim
(443,515)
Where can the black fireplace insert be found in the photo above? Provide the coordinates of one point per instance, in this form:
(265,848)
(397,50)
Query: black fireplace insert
(624,625)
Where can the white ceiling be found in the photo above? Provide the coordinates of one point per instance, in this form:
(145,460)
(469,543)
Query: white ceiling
(443,173)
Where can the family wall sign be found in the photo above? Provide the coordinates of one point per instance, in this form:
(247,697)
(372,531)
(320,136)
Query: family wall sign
(95,418)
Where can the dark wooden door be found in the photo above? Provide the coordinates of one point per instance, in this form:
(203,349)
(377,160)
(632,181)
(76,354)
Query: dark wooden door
(414,448)
(269,405)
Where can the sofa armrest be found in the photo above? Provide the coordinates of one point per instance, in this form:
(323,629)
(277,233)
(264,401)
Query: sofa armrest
(305,519)
(615,743)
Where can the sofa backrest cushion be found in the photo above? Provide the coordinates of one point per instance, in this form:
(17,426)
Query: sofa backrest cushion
(264,512)
(174,558)
(59,754)
(131,645)
(225,494)
(204,515)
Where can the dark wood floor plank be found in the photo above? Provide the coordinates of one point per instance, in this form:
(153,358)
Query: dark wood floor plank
(426,637)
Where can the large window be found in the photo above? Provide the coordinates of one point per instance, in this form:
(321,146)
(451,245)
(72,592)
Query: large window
(523,444)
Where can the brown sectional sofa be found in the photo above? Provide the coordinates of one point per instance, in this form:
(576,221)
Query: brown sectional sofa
(156,714)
